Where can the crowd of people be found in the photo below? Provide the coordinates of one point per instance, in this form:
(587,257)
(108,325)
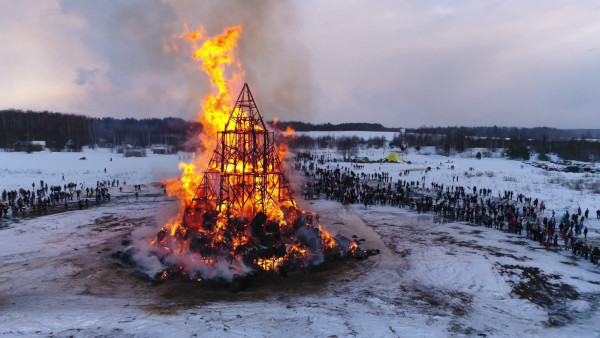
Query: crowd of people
(509,211)
(45,198)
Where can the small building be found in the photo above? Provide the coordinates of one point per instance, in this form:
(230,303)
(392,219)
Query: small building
(573,169)
(120,149)
(135,152)
(163,149)
(30,146)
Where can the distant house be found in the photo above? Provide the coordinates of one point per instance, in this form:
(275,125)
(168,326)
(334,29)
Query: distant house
(135,152)
(163,149)
(120,149)
(30,146)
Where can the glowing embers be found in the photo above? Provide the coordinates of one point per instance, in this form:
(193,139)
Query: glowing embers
(269,264)
(245,247)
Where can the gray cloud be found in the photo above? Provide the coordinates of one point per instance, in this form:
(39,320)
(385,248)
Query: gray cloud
(457,63)
(85,76)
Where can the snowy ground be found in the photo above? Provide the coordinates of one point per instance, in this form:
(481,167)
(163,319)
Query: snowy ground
(20,170)
(57,276)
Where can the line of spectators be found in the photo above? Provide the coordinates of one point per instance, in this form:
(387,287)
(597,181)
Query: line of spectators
(508,211)
(47,198)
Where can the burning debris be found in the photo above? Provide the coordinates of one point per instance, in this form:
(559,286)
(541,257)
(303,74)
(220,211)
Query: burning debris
(242,218)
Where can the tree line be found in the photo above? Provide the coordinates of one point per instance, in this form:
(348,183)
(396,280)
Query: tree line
(75,131)
(516,147)
(358,126)
(536,133)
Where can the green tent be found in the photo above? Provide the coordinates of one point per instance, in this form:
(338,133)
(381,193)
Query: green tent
(394,157)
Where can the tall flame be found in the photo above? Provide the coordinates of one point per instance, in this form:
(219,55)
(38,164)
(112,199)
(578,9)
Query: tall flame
(214,55)
(254,221)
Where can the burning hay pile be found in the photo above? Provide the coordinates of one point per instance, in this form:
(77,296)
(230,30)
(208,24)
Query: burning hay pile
(239,216)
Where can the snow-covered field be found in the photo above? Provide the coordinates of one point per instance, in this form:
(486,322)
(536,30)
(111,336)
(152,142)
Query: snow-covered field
(57,276)
(20,170)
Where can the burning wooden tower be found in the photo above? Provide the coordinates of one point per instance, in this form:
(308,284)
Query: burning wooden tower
(243,218)
(239,217)
(244,175)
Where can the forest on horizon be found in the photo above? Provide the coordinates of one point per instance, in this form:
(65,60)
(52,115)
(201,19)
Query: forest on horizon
(59,129)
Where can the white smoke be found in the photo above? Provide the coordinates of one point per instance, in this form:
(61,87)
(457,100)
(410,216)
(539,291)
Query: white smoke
(142,253)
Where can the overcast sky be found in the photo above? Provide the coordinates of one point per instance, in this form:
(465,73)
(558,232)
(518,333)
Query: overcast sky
(400,63)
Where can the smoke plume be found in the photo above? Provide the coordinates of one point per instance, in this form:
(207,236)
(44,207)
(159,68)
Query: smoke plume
(135,40)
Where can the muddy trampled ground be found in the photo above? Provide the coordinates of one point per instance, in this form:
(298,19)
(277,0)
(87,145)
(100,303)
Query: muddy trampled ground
(59,276)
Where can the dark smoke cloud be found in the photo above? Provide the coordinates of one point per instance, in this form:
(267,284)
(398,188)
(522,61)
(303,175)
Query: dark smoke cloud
(144,74)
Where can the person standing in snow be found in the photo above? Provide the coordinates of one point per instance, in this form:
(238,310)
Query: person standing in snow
(595,255)
(585,231)
(586,212)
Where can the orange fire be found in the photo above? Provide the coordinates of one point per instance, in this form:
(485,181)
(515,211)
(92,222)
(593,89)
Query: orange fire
(255,187)
(214,56)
